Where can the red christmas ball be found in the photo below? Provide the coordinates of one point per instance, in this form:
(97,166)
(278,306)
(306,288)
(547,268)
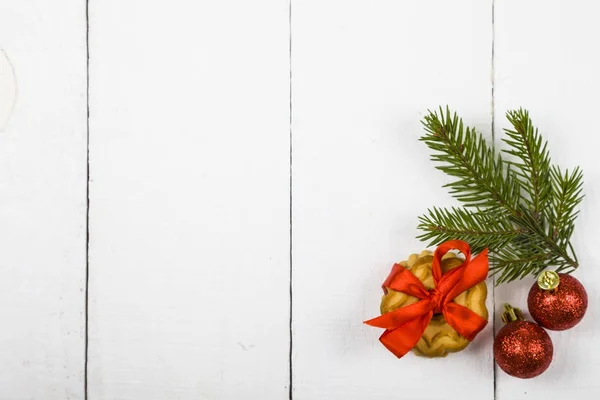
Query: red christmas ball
(522,349)
(557,305)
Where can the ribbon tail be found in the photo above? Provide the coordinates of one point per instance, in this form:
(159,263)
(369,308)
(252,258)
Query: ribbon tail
(402,315)
(464,321)
(402,339)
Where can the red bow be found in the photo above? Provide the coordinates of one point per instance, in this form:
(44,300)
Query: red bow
(405,326)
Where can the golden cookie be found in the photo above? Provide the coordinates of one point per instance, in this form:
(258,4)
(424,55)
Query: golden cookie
(439,338)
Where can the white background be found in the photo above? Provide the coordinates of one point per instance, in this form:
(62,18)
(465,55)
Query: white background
(247,190)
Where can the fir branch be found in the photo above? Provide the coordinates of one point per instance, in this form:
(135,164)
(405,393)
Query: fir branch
(522,209)
(463,153)
(567,191)
(514,262)
(532,164)
(480,229)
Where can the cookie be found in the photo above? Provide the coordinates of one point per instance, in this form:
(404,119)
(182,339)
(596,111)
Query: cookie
(439,338)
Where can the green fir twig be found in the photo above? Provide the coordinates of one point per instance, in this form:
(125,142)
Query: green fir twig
(521,208)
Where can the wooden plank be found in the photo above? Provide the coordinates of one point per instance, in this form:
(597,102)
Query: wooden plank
(364,74)
(189,251)
(43,182)
(546,61)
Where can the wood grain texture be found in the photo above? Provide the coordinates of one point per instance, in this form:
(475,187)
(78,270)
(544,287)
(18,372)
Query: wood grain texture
(547,60)
(43,201)
(363,76)
(189,217)
(8,89)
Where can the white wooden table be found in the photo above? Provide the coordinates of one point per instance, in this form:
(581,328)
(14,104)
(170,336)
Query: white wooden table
(253,173)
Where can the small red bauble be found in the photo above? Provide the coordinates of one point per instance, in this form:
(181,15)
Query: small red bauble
(522,349)
(557,301)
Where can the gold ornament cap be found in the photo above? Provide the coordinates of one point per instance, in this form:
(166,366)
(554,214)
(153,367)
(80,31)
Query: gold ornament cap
(511,314)
(548,280)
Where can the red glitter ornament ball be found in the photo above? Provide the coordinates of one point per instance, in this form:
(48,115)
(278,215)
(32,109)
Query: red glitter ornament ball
(522,349)
(558,308)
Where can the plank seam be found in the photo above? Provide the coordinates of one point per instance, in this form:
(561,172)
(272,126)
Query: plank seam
(87,215)
(291,376)
(493,79)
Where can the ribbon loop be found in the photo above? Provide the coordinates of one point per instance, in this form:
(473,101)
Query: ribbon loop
(405,326)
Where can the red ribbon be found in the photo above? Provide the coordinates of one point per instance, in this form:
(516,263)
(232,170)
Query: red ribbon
(405,326)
